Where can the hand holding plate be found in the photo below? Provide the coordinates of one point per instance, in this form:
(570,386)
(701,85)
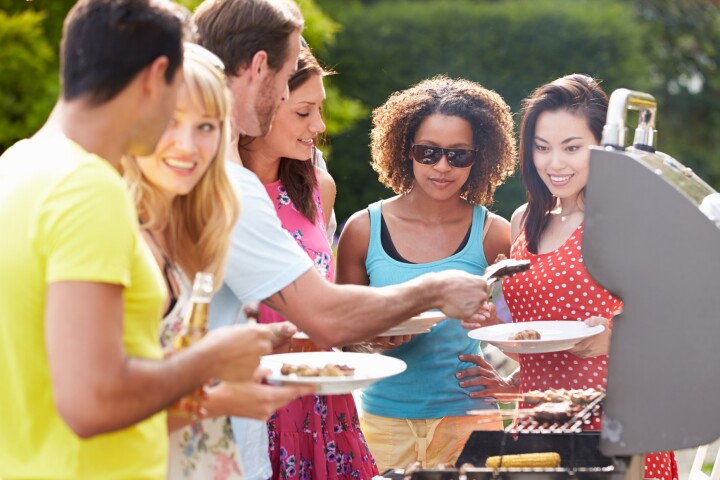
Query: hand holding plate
(555,335)
(595,345)
(251,399)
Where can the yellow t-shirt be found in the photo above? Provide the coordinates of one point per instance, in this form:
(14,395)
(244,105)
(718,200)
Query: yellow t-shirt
(66,215)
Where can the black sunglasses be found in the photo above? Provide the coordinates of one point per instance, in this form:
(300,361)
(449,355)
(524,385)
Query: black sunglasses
(456,157)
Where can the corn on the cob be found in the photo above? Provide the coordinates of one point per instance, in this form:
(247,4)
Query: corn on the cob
(525,460)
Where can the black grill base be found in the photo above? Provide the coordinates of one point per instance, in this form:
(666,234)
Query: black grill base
(581,459)
(576,449)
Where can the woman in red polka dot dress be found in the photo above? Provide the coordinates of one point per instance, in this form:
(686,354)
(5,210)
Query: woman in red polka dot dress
(560,122)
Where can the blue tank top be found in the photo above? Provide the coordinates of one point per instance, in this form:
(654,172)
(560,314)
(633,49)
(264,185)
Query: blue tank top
(428,388)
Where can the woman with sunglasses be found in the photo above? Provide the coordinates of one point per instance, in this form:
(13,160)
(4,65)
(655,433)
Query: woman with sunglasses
(315,436)
(560,121)
(443,146)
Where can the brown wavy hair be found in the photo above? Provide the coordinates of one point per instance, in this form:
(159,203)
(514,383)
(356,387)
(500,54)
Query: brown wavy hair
(235,30)
(396,122)
(299,178)
(578,94)
(199,224)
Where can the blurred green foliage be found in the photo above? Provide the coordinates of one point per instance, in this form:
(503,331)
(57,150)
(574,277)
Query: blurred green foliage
(25,87)
(511,46)
(669,48)
(30,32)
(340,111)
(320,30)
(684,46)
(54,12)
(29,53)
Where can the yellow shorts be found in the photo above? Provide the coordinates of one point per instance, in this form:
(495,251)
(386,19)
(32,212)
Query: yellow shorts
(399,442)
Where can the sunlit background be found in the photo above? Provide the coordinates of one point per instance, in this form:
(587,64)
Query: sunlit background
(668,48)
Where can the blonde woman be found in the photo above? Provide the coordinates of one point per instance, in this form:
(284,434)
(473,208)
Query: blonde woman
(187,209)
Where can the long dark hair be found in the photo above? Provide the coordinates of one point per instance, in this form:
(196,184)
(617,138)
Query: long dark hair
(299,178)
(576,93)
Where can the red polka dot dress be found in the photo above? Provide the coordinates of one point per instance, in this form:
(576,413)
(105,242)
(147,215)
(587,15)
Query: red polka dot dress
(558,287)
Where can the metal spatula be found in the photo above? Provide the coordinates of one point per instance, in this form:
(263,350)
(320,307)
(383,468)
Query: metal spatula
(504,268)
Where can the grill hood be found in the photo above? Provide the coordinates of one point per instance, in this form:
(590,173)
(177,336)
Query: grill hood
(652,237)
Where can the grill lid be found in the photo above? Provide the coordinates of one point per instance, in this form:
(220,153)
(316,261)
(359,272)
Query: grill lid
(649,239)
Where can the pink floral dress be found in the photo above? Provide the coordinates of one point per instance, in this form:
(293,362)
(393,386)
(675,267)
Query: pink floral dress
(316,436)
(558,287)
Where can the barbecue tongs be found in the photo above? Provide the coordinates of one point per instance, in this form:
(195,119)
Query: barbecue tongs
(504,268)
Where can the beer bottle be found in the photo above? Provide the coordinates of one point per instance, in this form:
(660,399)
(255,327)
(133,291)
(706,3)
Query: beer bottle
(195,322)
(194,327)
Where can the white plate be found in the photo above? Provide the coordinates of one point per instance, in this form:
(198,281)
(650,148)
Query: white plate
(416,325)
(369,368)
(555,335)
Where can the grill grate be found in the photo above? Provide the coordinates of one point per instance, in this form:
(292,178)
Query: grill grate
(528,424)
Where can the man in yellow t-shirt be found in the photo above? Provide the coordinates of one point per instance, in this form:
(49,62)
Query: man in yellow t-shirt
(83,381)
(73,223)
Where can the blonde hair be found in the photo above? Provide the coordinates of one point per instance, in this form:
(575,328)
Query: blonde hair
(199,224)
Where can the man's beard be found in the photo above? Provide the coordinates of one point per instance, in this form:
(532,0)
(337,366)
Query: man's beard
(265,108)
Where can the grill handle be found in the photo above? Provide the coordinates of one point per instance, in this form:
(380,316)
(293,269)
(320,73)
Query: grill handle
(621,101)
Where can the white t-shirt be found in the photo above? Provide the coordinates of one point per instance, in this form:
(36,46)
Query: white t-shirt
(263,259)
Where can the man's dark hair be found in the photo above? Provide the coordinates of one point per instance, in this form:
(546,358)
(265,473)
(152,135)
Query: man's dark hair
(235,30)
(106,43)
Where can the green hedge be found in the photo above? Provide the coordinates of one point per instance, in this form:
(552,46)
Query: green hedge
(511,47)
(30,34)
(25,88)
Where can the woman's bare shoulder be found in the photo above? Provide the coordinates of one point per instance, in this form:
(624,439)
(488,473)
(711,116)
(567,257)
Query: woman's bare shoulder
(516,221)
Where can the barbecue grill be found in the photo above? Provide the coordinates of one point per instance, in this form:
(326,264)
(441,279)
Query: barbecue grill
(651,237)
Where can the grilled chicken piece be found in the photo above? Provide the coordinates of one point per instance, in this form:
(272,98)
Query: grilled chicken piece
(329,370)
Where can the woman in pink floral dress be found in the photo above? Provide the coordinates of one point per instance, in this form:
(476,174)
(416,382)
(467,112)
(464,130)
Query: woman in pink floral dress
(315,436)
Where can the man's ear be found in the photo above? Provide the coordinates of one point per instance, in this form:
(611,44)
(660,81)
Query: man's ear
(153,77)
(258,65)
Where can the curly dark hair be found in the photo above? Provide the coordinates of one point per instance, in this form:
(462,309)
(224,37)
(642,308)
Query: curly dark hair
(396,122)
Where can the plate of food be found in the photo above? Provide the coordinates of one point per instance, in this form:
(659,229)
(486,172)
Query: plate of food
(416,325)
(332,372)
(535,337)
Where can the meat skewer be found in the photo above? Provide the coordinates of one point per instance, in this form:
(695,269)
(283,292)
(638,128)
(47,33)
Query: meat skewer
(578,397)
